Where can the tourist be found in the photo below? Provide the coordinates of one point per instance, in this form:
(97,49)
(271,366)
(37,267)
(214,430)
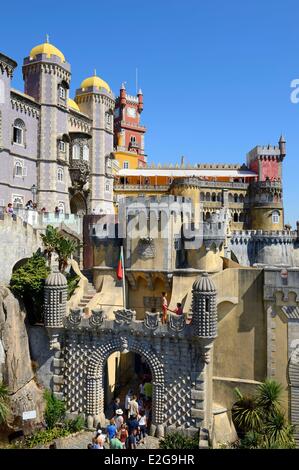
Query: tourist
(123,435)
(127,401)
(133,406)
(57,211)
(99,441)
(9,209)
(29,205)
(115,443)
(115,405)
(111,430)
(132,441)
(132,424)
(142,424)
(119,420)
(164,307)
(43,210)
(178,310)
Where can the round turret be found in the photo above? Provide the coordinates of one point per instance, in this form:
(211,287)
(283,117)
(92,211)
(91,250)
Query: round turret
(55,300)
(48,49)
(204,308)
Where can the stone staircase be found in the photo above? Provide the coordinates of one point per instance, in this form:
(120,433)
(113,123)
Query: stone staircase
(90,292)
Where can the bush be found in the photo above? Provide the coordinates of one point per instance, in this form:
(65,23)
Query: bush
(72,283)
(27,282)
(75,425)
(177,440)
(4,404)
(55,410)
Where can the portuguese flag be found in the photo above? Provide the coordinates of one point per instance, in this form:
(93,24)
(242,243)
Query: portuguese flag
(119,270)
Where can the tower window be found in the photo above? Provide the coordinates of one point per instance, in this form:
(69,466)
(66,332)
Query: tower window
(126,165)
(18,168)
(60,174)
(61,146)
(61,207)
(18,132)
(62,92)
(107,187)
(76,152)
(133,139)
(86,153)
(275,217)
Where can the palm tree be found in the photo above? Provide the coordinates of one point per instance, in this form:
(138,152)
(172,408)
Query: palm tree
(4,400)
(50,240)
(269,396)
(64,248)
(246,413)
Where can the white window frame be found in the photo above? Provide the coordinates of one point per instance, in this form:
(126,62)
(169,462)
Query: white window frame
(22,135)
(60,174)
(19,164)
(107,187)
(85,153)
(275,217)
(109,164)
(62,92)
(126,165)
(74,157)
(133,139)
(62,146)
(17,196)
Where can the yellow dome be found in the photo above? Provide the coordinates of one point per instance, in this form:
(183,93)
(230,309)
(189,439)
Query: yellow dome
(96,82)
(72,104)
(48,49)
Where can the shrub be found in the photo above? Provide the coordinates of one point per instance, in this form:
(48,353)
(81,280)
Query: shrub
(75,425)
(4,404)
(72,283)
(55,410)
(177,440)
(27,282)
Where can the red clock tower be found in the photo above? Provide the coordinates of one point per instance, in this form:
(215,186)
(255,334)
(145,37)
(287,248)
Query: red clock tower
(128,132)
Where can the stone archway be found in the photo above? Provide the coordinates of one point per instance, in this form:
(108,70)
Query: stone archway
(78,204)
(95,380)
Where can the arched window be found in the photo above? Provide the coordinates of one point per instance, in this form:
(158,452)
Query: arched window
(214,197)
(60,174)
(18,168)
(18,132)
(230,197)
(202,196)
(208,197)
(86,153)
(241,198)
(275,217)
(235,197)
(236,218)
(208,215)
(241,217)
(76,152)
(219,197)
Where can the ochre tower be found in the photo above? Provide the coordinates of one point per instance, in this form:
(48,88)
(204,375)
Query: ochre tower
(266,193)
(128,132)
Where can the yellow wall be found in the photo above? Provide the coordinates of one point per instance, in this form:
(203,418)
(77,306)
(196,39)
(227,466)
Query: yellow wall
(261,219)
(122,157)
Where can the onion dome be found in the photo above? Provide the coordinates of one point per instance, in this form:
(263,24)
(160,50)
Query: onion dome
(72,104)
(95,82)
(48,49)
(56,279)
(204,284)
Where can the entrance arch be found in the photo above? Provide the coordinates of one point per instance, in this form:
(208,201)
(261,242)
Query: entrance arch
(96,387)
(78,204)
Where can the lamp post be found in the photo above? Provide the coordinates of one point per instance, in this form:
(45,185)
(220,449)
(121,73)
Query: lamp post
(33,191)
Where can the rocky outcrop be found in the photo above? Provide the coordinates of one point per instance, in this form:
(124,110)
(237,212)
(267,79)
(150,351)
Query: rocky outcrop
(15,362)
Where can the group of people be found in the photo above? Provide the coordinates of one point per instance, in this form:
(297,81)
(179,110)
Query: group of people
(178,310)
(30,206)
(127,429)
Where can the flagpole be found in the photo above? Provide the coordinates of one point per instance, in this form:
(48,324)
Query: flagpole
(124,278)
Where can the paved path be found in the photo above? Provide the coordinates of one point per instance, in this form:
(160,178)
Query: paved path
(80,441)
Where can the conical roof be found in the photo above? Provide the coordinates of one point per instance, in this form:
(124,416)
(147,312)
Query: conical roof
(56,279)
(204,284)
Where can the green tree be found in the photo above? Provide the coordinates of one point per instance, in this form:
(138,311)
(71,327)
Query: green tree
(4,404)
(27,283)
(50,240)
(269,396)
(64,248)
(246,413)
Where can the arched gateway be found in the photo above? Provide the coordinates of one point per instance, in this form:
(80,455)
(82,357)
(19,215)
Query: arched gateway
(95,377)
(177,353)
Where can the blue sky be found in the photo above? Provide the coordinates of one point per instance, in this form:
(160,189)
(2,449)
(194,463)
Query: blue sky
(215,74)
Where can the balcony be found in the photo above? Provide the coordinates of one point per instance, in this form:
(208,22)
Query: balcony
(141,187)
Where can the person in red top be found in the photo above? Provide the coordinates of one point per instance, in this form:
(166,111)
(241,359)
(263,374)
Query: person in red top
(178,310)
